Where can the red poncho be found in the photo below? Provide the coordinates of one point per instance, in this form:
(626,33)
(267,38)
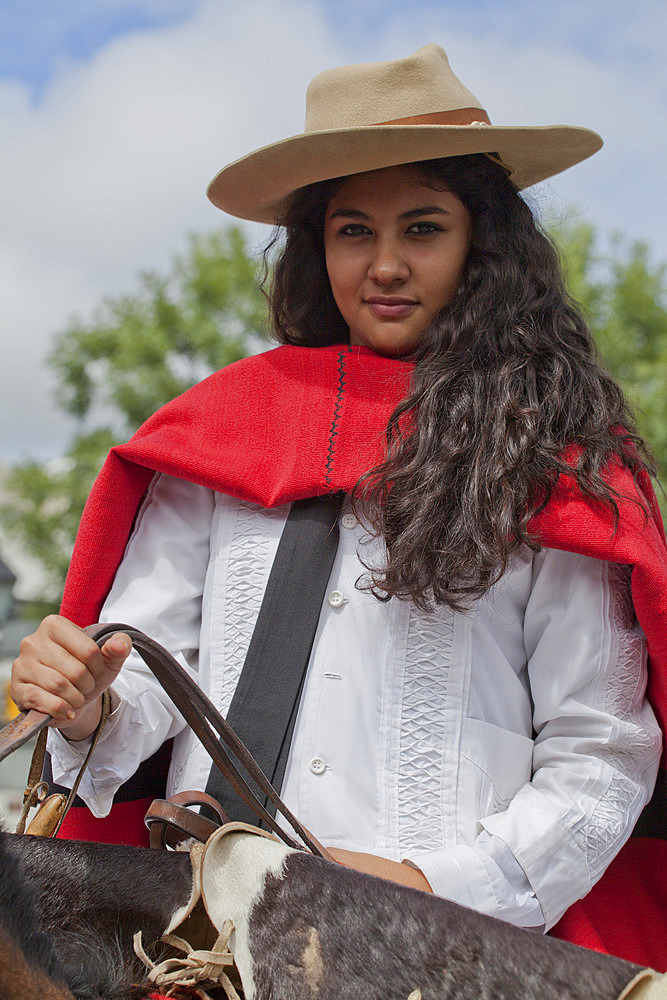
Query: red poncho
(295,422)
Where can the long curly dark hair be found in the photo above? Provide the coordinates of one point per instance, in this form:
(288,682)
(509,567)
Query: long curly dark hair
(505,379)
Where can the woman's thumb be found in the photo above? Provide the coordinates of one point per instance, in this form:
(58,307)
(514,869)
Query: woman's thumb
(116,650)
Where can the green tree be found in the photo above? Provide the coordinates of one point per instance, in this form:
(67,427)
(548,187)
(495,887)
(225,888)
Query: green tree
(143,349)
(45,508)
(139,351)
(625,298)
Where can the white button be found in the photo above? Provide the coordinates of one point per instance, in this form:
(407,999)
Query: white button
(348,521)
(317,765)
(336,598)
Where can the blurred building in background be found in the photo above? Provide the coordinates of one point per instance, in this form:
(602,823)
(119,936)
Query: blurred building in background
(13,627)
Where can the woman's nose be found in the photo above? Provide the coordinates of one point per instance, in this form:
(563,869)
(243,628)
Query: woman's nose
(387,264)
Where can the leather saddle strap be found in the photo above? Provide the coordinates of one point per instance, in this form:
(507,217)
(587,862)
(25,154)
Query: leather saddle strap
(170,821)
(205,721)
(265,703)
(37,789)
(104,715)
(20,730)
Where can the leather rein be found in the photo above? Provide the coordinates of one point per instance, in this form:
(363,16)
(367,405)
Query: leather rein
(223,746)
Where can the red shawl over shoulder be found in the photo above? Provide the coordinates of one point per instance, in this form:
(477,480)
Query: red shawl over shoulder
(295,422)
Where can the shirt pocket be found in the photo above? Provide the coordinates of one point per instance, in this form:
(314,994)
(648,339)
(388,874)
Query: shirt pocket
(494,764)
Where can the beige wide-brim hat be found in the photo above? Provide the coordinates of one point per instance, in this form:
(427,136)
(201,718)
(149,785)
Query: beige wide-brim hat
(375,115)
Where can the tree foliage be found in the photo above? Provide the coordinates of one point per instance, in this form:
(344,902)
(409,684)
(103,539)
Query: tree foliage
(142,349)
(625,298)
(46,506)
(138,351)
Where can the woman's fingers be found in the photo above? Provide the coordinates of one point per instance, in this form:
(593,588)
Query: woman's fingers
(44,700)
(60,669)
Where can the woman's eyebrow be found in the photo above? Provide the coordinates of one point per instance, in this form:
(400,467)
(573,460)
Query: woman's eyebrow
(355,213)
(427,210)
(349,213)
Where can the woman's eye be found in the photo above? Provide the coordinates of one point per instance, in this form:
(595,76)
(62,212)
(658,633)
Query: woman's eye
(424,228)
(353,229)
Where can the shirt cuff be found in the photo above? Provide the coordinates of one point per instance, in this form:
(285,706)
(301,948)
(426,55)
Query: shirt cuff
(105,772)
(485,877)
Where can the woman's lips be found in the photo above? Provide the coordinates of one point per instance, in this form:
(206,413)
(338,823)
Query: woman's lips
(390,306)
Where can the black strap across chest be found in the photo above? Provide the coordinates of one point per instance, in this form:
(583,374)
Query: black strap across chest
(266,700)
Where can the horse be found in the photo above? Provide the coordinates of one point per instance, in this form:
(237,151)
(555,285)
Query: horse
(304,928)
(69,911)
(300,926)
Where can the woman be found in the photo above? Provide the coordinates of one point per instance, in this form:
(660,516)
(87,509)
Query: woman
(474,703)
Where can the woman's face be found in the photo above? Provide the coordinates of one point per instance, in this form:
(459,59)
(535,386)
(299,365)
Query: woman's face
(395,252)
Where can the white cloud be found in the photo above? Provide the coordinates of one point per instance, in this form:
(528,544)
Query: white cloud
(105,174)
(598,65)
(110,168)
(117,156)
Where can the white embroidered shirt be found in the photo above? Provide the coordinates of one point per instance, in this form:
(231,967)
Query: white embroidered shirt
(507,752)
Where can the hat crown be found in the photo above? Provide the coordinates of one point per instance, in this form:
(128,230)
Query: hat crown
(376,115)
(373,93)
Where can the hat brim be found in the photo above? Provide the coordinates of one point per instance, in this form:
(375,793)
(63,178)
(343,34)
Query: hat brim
(257,186)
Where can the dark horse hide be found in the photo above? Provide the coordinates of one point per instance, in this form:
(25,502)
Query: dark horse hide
(305,929)
(69,910)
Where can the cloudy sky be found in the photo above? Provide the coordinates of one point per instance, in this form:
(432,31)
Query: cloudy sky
(114,114)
